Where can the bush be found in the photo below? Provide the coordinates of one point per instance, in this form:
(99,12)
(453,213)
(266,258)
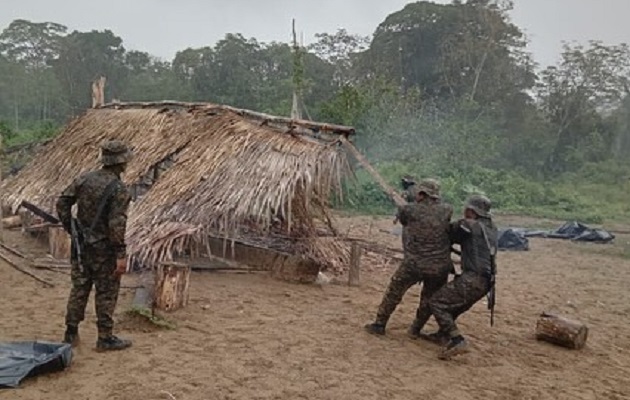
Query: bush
(569,197)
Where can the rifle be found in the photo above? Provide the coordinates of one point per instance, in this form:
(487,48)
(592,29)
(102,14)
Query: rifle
(75,233)
(491,296)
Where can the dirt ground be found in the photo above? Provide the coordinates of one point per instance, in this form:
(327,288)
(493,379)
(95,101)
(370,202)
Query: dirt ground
(251,337)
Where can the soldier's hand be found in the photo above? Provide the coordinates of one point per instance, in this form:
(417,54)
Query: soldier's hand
(121,267)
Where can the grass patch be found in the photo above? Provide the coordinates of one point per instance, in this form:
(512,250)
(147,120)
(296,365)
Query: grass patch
(154,319)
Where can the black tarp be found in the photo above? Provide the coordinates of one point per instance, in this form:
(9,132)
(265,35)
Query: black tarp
(19,360)
(575,231)
(512,240)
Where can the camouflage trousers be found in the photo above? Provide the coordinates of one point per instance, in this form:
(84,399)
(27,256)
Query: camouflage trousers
(408,274)
(98,266)
(455,298)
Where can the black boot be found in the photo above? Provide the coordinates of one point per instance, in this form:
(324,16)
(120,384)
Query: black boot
(414,330)
(71,336)
(112,343)
(375,329)
(456,346)
(438,337)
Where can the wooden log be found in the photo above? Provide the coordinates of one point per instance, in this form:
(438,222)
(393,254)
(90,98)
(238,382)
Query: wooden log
(59,243)
(561,331)
(11,222)
(355,265)
(171,286)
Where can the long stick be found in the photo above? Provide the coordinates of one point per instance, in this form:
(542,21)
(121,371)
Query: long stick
(377,177)
(22,270)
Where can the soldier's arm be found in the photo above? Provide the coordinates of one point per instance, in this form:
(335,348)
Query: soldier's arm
(459,230)
(403,215)
(118,220)
(65,202)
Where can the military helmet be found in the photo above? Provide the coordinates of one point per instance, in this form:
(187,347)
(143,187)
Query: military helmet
(480,205)
(115,152)
(430,187)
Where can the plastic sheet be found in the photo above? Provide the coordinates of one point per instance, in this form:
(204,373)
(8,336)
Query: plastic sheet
(19,360)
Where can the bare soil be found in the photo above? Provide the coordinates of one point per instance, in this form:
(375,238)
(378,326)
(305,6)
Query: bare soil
(251,337)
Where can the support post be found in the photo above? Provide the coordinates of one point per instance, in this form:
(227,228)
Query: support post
(355,265)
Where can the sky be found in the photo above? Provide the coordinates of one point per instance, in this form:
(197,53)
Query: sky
(162,27)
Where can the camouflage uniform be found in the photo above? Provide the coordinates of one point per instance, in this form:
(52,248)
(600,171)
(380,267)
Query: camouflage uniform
(478,240)
(102,239)
(427,255)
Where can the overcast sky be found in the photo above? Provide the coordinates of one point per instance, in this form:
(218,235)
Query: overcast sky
(162,27)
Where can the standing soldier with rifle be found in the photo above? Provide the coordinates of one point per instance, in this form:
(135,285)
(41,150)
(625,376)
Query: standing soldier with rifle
(98,243)
(477,236)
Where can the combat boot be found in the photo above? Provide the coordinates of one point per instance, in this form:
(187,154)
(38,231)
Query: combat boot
(375,329)
(435,337)
(112,343)
(71,336)
(455,346)
(414,330)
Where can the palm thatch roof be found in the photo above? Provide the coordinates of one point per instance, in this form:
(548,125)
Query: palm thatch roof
(231,172)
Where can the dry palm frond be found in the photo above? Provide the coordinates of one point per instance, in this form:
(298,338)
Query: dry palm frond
(227,172)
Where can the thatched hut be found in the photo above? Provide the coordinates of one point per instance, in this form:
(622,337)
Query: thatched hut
(204,171)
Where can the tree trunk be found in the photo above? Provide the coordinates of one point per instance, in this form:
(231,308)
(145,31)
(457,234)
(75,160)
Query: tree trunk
(561,331)
(59,242)
(171,286)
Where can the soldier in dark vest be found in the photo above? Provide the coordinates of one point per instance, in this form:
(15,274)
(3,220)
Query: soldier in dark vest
(426,260)
(477,236)
(100,259)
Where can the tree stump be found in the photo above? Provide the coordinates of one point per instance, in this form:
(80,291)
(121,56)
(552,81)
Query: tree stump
(59,243)
(561,331)
(171,286)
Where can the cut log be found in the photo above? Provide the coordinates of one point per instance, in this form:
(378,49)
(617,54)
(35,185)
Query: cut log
(11,222)
(355,265)
(59,242)
(561,331)
(171,286)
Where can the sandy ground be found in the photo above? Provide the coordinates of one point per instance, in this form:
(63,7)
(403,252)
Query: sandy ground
(251,337)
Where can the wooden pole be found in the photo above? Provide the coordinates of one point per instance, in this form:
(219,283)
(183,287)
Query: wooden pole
(377,177)
(25,272)
(355,265)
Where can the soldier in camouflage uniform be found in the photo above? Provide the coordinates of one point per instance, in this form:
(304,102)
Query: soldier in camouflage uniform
(427,256)
(477,236)
(102,201)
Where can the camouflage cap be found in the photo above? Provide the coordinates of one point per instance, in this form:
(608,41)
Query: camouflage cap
(115,152)
(480,205)
(430,187)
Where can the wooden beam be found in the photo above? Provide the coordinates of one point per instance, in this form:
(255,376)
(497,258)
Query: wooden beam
(289,122)
(393,194)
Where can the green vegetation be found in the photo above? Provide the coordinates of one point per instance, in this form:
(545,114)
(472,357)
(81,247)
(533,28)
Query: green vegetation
(154,319)
(442,90)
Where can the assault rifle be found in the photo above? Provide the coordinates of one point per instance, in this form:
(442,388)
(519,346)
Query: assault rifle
(75,233)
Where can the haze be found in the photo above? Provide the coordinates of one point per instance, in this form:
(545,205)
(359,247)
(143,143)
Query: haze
(162,27)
